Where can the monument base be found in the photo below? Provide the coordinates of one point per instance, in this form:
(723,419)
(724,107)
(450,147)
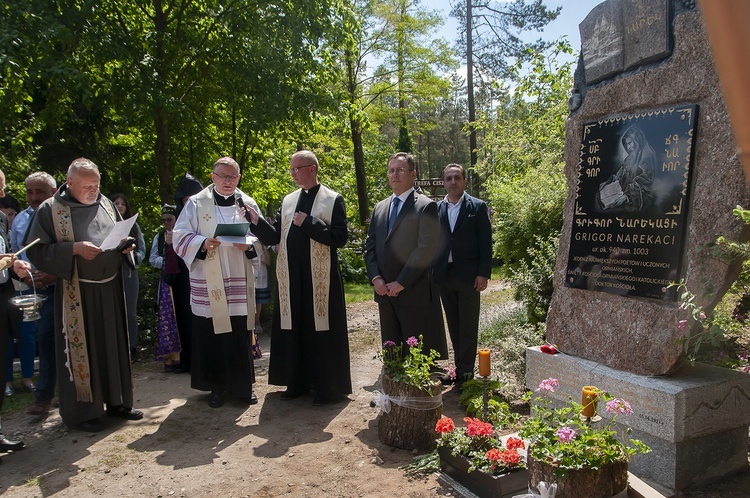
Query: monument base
(695,421)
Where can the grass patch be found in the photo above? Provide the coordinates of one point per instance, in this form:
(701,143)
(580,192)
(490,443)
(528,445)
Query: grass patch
(357,293)
(22,399)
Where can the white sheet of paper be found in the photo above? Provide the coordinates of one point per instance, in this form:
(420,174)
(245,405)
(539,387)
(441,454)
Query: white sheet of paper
(119,232)
(228,239)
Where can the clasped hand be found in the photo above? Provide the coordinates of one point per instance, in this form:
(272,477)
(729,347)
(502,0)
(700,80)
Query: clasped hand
(391,289)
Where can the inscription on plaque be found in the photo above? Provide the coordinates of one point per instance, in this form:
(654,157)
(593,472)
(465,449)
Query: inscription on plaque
(631,203)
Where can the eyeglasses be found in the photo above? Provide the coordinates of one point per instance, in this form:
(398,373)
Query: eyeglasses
(226,178)
(295,170)
(398,171)
(166,220)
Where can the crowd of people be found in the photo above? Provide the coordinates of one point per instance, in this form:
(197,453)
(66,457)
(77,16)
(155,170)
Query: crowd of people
(81,250)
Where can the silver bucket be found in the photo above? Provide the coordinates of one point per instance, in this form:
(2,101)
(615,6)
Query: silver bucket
(30,305)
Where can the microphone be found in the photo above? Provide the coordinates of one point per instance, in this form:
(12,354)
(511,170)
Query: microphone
(238,200)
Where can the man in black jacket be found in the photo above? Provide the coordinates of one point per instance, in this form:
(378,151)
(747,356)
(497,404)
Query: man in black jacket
(462,267)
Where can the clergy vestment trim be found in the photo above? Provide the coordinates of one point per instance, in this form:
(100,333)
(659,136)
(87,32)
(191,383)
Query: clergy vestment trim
(320,259)
(214,274)
(74,330)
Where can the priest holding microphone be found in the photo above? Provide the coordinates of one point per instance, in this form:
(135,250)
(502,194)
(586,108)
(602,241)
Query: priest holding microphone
(222,287)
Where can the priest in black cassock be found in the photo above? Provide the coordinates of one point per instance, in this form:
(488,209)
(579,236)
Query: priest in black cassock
(222,288)
(309,338)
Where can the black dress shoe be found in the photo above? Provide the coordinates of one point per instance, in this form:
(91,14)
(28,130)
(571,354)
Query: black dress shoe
(215,400)
(251,400)
(320,400)
(291,394)
(124,412)
(93,425)
(8,445)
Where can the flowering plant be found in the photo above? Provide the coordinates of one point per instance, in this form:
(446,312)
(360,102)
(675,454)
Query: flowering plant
(413,366)
(565,439)
(478,444)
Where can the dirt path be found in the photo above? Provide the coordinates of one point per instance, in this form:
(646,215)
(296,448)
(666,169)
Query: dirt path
(183,448)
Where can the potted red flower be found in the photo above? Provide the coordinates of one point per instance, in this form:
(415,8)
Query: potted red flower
(480,460)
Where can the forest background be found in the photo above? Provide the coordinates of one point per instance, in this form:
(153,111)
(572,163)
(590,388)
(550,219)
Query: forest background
(153,89)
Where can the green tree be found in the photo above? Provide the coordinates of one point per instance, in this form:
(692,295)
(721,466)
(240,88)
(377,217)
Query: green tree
(491,40)
(524,173)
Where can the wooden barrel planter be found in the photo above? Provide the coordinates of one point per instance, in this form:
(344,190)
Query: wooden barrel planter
(611,480)
(409,428)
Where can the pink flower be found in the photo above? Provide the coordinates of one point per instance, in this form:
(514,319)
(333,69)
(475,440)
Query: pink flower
(412,341)
(619,405)
(548,385)
(565,434)
(451,371)
(703,316)
(682,324)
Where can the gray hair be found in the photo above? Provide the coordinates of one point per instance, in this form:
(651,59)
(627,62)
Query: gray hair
(82,166)
(307,154)
(227,161)
(42,176)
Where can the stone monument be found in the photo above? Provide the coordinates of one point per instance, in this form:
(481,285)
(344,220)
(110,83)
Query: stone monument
(648,110)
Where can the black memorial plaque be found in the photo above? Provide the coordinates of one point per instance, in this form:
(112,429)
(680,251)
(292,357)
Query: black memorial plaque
(631,203)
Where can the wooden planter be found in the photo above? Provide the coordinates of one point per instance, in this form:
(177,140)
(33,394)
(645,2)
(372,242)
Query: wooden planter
(407,428)
(611,480)
(480,483)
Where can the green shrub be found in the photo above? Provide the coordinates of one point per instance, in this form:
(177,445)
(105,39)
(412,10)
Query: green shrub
(533,278)
(509,336)
(525,208)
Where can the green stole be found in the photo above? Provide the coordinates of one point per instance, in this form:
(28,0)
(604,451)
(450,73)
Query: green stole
(320,259)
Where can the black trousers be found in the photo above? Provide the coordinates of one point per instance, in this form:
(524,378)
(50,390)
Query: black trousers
(461,305)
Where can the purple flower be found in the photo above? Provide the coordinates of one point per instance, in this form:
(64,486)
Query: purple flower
(619,405)
(412,341)
(389,345)
(548,385)
(565,434)
(682,324)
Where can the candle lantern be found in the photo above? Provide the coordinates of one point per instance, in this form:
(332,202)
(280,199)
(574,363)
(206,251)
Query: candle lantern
(484,363)
(589,401)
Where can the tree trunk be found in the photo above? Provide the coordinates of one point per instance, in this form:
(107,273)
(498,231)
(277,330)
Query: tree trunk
(470,91)
(359,171)
(407,428)
(608,481)
(161,153)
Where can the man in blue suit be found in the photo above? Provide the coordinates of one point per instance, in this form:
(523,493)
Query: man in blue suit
(462,267)
(401,243)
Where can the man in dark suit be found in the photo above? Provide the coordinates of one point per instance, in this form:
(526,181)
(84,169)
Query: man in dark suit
(401,243)
(462,267)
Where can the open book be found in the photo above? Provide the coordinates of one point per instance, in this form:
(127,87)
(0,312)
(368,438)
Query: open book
(609,193)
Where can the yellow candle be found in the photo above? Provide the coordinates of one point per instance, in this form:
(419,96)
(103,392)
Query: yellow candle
(588,400)
(484,363)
